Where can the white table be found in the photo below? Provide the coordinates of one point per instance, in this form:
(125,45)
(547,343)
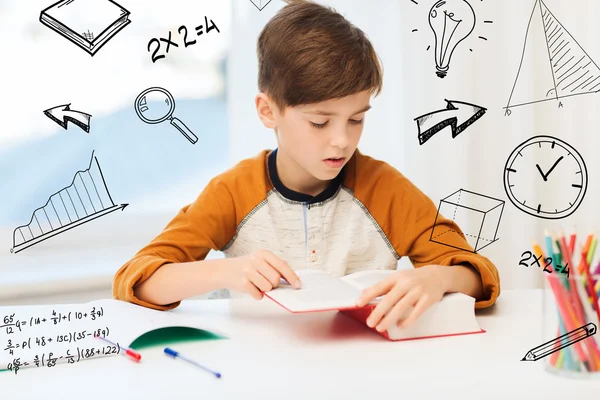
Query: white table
(273,354)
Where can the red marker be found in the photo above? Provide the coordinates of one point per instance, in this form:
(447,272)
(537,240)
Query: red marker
(134,355)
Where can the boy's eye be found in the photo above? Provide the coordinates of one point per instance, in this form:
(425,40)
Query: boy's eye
(319,126)
(352,121)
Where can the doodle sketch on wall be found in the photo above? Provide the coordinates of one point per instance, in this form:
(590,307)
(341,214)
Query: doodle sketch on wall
(561,171)
(477,215)
(63,114)
(566,340)
(155,105)
(85,199)
(459,115)
(450,22)
(89,24)
(260,4)
(563,69)
(182,40)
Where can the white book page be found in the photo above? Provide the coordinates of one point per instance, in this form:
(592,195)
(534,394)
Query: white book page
(319,291)
(364,279)
(51,334)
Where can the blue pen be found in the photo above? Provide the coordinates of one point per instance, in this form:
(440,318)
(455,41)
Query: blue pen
(175,354)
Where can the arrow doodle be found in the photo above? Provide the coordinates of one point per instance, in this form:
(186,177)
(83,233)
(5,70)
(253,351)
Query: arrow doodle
(63,114)
(459,115)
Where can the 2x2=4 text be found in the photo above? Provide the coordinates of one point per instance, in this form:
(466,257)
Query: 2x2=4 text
(183,32)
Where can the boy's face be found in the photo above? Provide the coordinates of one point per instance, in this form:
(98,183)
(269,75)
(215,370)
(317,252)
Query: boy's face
(316,140)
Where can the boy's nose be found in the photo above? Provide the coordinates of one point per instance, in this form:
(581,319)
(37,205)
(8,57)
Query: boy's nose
(339,138)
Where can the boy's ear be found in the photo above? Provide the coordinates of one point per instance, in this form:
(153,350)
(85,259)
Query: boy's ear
(266,110)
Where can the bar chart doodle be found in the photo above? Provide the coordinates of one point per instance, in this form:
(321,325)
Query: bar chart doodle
(63,114)
(568,70)
(85,199)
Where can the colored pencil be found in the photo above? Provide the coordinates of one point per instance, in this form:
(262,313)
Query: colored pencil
(593,350)
(590,283)
(592,298)
(565,250)
(572,240)
(568,317)
(570,299)
(556,358)
(570,291)
(584,252)
(548,241)
(592,250)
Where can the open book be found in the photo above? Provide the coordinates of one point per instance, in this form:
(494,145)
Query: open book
(43,336)
(453,315)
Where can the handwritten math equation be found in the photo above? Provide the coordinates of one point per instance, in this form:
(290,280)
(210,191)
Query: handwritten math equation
(57,336)
(183,31)
(548,263)
(42,341)
(50,360)
(11,323)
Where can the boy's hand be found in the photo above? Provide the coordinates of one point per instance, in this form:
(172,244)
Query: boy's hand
(419,287)
(257,273)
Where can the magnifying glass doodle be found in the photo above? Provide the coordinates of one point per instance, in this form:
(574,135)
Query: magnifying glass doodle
(155,105)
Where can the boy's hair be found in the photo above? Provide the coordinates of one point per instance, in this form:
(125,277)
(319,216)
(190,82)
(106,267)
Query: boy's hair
(309,53)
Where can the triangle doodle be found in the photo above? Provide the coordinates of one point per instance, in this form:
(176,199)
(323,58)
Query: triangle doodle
(553,64)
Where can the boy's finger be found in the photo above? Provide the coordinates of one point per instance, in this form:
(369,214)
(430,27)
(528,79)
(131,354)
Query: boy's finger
(421,306)
(283,268)
(260,281)
(398,311)
(374,291)
(389,300)
(253,291)
(270,273)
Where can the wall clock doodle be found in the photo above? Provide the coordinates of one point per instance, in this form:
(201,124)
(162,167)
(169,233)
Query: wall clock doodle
(557,167)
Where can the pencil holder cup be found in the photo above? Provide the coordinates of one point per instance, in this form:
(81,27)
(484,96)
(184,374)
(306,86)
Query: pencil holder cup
(571,342)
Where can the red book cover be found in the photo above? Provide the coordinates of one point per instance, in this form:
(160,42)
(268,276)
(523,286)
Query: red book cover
(361,314)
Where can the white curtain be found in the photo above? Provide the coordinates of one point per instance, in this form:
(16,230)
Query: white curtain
(482,71)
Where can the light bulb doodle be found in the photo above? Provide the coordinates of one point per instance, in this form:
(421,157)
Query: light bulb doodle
(451,21)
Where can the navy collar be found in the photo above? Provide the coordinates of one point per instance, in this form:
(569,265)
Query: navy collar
(292,195)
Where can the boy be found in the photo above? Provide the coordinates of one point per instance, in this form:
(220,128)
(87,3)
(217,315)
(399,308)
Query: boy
(314,202)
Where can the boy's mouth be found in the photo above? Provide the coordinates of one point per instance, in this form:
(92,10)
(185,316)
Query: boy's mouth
(334,162)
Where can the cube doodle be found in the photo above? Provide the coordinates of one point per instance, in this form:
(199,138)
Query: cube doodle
(477,217)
